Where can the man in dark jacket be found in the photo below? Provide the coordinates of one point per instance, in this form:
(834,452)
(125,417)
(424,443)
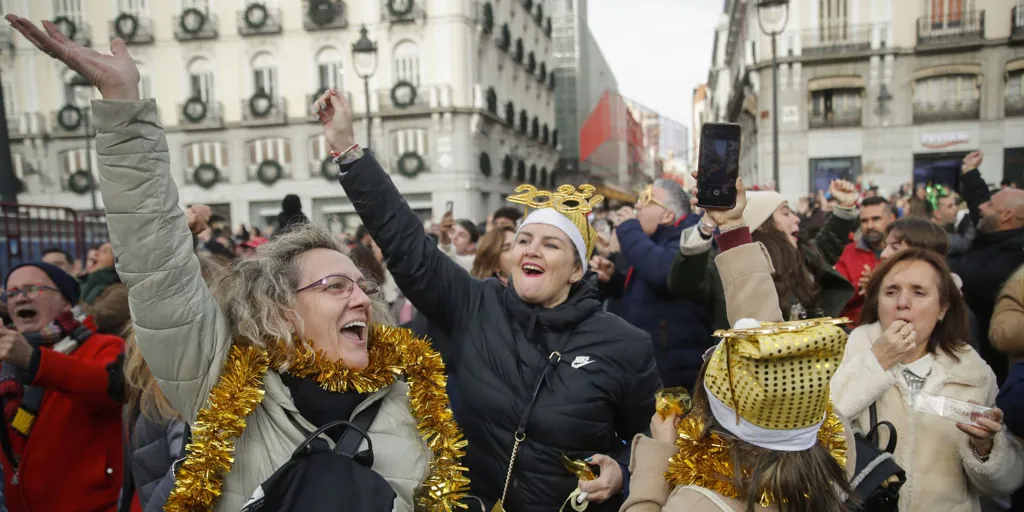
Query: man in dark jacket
(995,253)
(291,215)
(680,330)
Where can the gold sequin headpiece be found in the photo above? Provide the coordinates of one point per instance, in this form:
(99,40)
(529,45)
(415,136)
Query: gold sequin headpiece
(776,376)
(567,200)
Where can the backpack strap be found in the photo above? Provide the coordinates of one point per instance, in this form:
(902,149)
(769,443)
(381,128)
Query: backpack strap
(349,443)
(711,495)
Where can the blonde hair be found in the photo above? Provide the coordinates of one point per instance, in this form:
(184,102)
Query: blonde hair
(258,295)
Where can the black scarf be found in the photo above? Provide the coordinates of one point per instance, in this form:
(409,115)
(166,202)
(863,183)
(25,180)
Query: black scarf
(320,406)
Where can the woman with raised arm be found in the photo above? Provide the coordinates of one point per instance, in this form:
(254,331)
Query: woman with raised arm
(543,372)
(285,344)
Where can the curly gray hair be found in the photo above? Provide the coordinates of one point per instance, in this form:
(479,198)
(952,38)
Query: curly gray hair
(258,294)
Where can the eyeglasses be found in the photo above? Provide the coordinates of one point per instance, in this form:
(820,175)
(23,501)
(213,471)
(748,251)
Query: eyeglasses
(343,285)
(30,291)
(647,197)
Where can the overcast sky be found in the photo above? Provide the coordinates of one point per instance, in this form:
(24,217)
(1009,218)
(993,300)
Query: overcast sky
(659,50)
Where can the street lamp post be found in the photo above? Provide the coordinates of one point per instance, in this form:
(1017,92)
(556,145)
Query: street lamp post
(81,81)
(364,59)
(775,14)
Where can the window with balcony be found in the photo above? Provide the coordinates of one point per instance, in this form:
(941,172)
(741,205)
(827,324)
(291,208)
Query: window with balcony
(946,98)
(1015,93)
(328,67)
(950,21)
(274,149)
(264,74)
(835,108)
(407,63)
(833,19)
(205,154)
(74,10)
(200,79)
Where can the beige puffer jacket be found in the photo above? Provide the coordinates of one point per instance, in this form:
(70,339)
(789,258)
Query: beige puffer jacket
(184,335)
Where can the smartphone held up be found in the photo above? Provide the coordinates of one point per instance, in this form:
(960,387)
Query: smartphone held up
(718,165)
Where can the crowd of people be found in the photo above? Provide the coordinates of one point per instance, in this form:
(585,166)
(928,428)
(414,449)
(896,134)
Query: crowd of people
(519,364)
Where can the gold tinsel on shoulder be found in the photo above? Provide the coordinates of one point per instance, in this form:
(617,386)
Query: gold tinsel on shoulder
(392,351)
(706,461)
(199,480)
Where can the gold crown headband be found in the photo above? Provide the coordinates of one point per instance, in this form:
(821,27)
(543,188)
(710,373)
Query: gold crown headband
(571,202)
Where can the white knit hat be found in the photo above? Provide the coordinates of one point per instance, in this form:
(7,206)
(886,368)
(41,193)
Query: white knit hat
(761,204)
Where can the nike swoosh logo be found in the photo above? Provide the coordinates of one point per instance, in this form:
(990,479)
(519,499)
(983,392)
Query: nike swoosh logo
(576,365)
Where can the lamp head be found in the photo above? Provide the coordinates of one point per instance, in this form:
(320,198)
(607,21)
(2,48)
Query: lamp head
(364,54)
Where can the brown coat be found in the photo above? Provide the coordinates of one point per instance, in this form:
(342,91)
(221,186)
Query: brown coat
(1006,332)
(746,273)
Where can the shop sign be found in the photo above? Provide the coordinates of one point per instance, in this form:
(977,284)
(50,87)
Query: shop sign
(944,139)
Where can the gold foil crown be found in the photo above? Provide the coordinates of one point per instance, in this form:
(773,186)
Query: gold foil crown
(777,376)
(571,202)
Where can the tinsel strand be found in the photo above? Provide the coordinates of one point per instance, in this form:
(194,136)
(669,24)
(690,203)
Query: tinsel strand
(199,480)
(706,460)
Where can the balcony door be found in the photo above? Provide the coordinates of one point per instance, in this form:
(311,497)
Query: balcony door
(833,18)
(947,13)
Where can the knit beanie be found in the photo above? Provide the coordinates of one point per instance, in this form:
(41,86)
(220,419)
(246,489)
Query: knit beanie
(761,204)
(67,285)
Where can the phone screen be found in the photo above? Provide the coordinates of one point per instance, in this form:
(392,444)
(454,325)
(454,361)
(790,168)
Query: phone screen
(718,165)
(449,206)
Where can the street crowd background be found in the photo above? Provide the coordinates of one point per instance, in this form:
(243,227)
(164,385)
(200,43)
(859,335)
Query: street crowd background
(109,363)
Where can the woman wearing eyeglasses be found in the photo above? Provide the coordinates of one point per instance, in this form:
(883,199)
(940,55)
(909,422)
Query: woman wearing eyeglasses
(299,296)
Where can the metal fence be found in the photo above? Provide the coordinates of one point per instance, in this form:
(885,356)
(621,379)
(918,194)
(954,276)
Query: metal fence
(28,230)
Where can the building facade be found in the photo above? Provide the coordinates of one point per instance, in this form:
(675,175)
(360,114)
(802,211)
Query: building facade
(461,99)
(884,92)
(583,76)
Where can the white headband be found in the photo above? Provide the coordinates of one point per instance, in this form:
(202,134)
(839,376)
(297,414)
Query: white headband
(551,217)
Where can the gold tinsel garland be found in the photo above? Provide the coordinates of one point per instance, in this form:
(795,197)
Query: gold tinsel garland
(198,482)
(706,460)
(392,351)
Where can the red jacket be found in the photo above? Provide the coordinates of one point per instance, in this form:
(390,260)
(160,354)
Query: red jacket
(72,460)
(851,265)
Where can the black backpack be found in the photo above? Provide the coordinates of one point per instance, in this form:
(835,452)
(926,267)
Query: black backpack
(317,478)
(878,478)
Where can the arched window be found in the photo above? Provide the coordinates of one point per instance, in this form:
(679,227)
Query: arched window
(407,63)
(328,65)
(264,74)
(200,79)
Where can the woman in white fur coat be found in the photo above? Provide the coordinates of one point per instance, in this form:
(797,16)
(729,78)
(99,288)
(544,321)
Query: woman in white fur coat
(911,340)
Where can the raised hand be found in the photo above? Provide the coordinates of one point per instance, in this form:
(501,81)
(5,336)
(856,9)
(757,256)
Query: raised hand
(724,219)
(844,192)
(972,161)
(116,76)
(897,342)
(335,115)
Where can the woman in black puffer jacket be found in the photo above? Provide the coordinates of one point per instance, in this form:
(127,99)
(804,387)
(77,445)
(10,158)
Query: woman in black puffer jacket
(539,349)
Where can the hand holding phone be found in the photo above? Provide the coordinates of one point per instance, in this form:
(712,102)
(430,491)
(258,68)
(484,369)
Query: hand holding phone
(718,165)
